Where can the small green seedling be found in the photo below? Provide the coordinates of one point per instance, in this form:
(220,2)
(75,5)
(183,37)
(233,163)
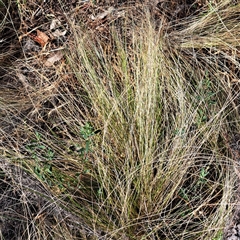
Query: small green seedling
(202,176)
(219,235)
(43,157)
(86,132)
(183,194)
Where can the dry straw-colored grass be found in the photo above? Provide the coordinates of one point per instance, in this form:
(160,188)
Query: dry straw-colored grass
(165,101)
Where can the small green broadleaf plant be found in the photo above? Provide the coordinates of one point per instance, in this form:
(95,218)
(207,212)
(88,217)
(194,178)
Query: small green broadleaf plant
(86,132)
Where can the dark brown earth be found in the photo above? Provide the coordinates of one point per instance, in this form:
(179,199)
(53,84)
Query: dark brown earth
(25,203)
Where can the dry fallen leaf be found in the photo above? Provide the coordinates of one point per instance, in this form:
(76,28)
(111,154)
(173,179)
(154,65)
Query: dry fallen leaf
(58,33)
(102,15)
(41,38)
(30,45)
(54,58)
(54,24)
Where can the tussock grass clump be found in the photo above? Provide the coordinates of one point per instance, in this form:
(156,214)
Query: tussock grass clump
(133,141)
(163,115)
